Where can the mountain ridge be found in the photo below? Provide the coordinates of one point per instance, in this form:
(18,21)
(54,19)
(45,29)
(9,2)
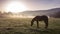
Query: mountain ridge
(41,12)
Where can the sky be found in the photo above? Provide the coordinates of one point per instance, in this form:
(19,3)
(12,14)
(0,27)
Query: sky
(34,4)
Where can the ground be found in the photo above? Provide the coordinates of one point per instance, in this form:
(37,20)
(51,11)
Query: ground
(22,26)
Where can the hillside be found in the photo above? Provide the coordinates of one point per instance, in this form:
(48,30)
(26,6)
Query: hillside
(49,12)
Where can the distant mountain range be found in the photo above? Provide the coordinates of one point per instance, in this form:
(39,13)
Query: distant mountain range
(41,12)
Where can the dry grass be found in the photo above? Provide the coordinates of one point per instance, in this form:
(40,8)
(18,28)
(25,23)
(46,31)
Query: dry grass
(22,26)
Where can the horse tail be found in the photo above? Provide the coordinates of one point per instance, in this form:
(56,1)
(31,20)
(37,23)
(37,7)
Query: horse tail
(46,22)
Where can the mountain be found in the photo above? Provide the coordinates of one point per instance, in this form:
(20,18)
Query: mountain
(49,12)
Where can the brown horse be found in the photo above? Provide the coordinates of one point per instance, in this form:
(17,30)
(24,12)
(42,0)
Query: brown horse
(40,18)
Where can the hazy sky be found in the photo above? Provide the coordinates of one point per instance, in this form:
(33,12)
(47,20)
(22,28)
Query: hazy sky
(34,4)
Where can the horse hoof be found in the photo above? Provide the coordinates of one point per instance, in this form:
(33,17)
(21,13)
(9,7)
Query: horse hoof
(37,27)
(46,28)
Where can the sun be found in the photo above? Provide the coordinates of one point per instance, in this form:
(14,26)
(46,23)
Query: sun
(15,7)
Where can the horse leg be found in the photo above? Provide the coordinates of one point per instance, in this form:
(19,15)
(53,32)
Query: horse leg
(46,23)
(37,24)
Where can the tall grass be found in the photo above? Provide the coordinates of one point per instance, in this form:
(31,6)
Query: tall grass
(22,26)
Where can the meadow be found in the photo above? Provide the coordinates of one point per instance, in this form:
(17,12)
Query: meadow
(22,26)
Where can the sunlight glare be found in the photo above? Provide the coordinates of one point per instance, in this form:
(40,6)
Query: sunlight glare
(15,7)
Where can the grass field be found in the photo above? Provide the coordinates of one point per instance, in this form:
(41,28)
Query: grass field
(22,26)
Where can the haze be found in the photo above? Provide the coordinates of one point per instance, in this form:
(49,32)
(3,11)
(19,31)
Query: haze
(33,4)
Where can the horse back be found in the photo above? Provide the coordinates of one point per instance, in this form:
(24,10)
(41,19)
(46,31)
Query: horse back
(40,18)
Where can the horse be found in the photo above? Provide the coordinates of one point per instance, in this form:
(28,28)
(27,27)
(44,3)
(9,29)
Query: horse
(40,18)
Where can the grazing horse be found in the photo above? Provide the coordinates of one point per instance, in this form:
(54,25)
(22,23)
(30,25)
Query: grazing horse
(40,18)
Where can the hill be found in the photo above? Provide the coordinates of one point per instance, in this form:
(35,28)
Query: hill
(49,12)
